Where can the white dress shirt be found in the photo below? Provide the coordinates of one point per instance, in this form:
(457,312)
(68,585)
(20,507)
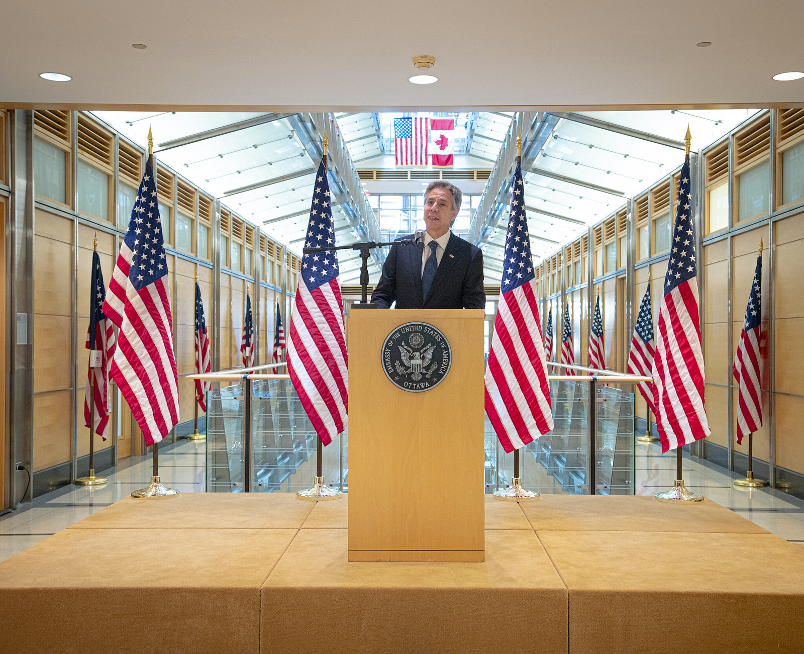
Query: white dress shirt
(442,245)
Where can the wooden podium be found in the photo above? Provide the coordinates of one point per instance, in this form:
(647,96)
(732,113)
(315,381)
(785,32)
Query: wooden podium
(416,475)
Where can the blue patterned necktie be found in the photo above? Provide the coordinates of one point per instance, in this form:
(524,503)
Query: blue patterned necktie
(429,269)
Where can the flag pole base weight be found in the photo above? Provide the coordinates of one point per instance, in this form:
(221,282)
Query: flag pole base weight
(320,492)
(515,493)
(679,494)
(196,436)
(750,482)
(647,439)
(156,491)
(91,479)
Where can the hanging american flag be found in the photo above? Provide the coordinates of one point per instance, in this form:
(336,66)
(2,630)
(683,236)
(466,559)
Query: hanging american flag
(748,362)
(678,365)
(138,302)
(640,357)
(548,337)
(597,350)
(279,337)
(410,141)
(202,359)
(247,340)
(517,389)
(100,336)
(567,349)
(316,356)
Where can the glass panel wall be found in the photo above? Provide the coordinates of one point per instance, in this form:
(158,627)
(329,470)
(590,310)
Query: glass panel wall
(93,191)
(792,174)
(50,171)
(203,241)
(184,233)
(719,207)
(754,188)
(661,236)
(126,197)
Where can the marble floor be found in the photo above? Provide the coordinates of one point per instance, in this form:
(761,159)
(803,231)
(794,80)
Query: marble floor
(183,467)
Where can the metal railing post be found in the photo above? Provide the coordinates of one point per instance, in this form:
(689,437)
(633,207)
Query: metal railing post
(592,427)
(247,434)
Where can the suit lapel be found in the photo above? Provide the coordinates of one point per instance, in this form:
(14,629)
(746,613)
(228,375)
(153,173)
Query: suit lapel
(413,260)
(445,268)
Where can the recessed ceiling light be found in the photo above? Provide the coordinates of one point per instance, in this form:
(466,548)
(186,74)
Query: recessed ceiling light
(55,77)
(423,79)
(139,46)
(704,44)
(787,77)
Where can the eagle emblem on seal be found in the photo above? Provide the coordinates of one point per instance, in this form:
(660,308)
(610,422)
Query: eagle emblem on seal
(416,361)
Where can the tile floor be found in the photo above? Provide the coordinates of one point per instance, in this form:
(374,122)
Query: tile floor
(183,467)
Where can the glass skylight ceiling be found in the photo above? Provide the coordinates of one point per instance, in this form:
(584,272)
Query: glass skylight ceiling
(585,173)
(257,165)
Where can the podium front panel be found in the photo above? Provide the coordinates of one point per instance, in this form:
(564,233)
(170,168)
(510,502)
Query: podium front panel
(416,477)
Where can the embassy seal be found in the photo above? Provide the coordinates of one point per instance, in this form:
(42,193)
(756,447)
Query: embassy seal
(416,357)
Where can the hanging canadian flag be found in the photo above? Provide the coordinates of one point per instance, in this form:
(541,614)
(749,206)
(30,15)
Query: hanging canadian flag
(442,133)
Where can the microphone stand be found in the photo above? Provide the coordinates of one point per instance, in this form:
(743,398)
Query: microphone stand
(364,249)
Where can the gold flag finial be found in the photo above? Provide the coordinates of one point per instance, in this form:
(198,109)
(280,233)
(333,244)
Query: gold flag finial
(688,139)
(325,142)
(196,274)
(95,243)
(649,272)
(761,244)
(150,142)
(519,142)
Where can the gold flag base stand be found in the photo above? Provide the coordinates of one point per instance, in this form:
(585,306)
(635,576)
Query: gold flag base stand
(515,493)
(679,494)
(647,439)
(320,492)
(196,436)
(750,482)
(155,490)
(91,479)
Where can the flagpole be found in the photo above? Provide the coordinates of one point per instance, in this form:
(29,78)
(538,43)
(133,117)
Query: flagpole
(91,479)
(156,489)
(749,481)
(195,436)
(648,437)
(679,493)
(320,491)
(515,492)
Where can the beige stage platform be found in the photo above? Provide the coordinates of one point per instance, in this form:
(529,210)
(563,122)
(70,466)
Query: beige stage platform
(268,573)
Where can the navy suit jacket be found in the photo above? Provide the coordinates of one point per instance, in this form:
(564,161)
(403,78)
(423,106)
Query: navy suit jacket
(458,282)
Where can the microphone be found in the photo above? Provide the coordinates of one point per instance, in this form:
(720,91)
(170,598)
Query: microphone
(417,240)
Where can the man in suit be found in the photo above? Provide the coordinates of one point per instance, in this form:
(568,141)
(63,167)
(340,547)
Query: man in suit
(446,274)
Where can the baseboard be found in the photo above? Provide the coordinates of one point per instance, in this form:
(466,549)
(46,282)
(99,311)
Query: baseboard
(50,479)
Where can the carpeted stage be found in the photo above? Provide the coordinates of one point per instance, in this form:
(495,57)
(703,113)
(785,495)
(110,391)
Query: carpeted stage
(269,573)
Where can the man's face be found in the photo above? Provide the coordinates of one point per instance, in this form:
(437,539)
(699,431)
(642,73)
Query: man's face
(438,212)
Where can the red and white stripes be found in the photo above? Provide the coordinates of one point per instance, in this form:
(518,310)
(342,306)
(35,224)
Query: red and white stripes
(317,360)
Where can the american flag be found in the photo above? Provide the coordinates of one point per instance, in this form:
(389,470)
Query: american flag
(678,364)
(410,141)
(138,302)
(202,360)
(640,357)
(316,355)
(279,337)
(567,349)
(748,362)
(100,336)
(517,389)
(247,341)
(597,350)
(548,337)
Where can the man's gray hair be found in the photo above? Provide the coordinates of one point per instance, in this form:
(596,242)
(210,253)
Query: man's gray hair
(454,190)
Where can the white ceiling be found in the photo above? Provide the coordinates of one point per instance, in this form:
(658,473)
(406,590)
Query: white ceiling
(259,55)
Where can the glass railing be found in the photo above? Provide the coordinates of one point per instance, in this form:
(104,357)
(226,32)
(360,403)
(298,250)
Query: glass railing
(558,461)
(283,441)
(282,452)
